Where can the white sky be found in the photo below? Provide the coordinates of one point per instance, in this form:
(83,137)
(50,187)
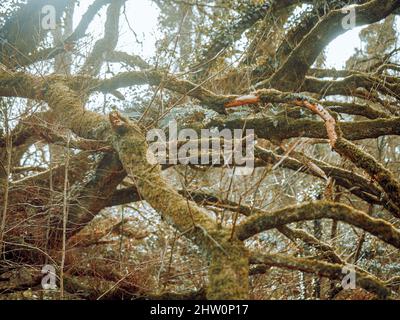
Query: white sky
(342,48)
(143,14)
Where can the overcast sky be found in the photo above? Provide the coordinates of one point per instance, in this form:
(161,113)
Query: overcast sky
(142,16)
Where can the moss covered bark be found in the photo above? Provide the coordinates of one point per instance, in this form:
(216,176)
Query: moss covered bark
(228,272)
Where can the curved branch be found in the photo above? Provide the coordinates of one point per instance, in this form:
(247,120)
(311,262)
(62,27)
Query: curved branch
(79,32)
(291,74)
(22,33)
(319,210)
(107,44)
(231,33)
(325,269)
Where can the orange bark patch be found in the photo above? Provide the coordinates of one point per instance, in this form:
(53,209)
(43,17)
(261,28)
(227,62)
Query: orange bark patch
(242,101)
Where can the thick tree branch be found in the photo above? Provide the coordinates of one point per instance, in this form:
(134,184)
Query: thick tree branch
(319,210)
(108,43)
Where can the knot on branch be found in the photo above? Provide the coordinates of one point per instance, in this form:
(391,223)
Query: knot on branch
(119,124)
